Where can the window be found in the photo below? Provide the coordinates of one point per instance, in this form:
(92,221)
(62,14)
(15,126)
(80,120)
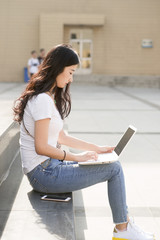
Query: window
(81,41)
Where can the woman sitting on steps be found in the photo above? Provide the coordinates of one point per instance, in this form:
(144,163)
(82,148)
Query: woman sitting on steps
(41,109)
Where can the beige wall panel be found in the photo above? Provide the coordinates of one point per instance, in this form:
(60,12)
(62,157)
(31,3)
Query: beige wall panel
(20,36)
(124,33)
(117,45)
(99,54)
(66,35)
(51,31)
(52,26)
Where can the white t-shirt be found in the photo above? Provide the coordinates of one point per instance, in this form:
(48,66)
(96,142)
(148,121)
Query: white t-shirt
(38,107)
(33,63)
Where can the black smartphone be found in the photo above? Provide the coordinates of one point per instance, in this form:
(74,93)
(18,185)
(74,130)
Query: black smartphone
(55,198)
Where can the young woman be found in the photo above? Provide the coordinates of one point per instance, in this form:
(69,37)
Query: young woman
(41,110)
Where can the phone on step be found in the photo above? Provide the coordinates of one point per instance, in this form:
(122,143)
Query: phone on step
(55,198)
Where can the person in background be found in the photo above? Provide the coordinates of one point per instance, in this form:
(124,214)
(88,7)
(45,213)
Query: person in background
(33,64)
(42,55)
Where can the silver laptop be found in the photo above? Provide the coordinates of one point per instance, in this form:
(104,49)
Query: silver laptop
(112,157)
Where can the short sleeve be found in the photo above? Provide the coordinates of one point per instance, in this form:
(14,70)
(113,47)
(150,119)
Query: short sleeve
(29,62)
(42,107)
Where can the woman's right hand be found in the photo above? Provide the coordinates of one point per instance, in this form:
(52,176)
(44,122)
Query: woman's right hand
(85,156)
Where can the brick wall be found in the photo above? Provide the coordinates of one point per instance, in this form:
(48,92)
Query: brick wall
(116,44)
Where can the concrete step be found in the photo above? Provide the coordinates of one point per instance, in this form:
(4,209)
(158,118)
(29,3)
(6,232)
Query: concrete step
(23,215)
(8,149)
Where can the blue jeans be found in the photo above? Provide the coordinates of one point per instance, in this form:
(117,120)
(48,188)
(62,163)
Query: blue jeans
(54,176)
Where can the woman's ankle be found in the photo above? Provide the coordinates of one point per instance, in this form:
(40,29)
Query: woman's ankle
(122,226)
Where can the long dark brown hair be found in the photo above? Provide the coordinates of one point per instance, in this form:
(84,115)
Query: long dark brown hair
(54,63)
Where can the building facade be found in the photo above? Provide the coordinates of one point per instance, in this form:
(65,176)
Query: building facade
(118,38)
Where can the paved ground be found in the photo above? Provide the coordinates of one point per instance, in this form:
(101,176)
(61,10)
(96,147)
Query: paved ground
(101,114)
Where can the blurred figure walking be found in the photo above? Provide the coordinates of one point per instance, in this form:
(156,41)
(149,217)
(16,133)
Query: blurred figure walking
(42,55)
(33,64)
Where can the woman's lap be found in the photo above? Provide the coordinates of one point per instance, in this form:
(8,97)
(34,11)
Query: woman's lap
(69,176)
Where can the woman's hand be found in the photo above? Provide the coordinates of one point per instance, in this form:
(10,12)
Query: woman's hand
(85,156)
(104,149)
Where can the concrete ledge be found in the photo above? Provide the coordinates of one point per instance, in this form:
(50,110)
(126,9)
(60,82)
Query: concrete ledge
(8,192)
(129,81)
(23,215)
(8,149)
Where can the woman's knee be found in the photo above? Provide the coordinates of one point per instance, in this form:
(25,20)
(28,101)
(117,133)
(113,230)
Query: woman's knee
(117,167)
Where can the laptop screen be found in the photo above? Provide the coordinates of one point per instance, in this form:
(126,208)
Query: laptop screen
(124,140)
